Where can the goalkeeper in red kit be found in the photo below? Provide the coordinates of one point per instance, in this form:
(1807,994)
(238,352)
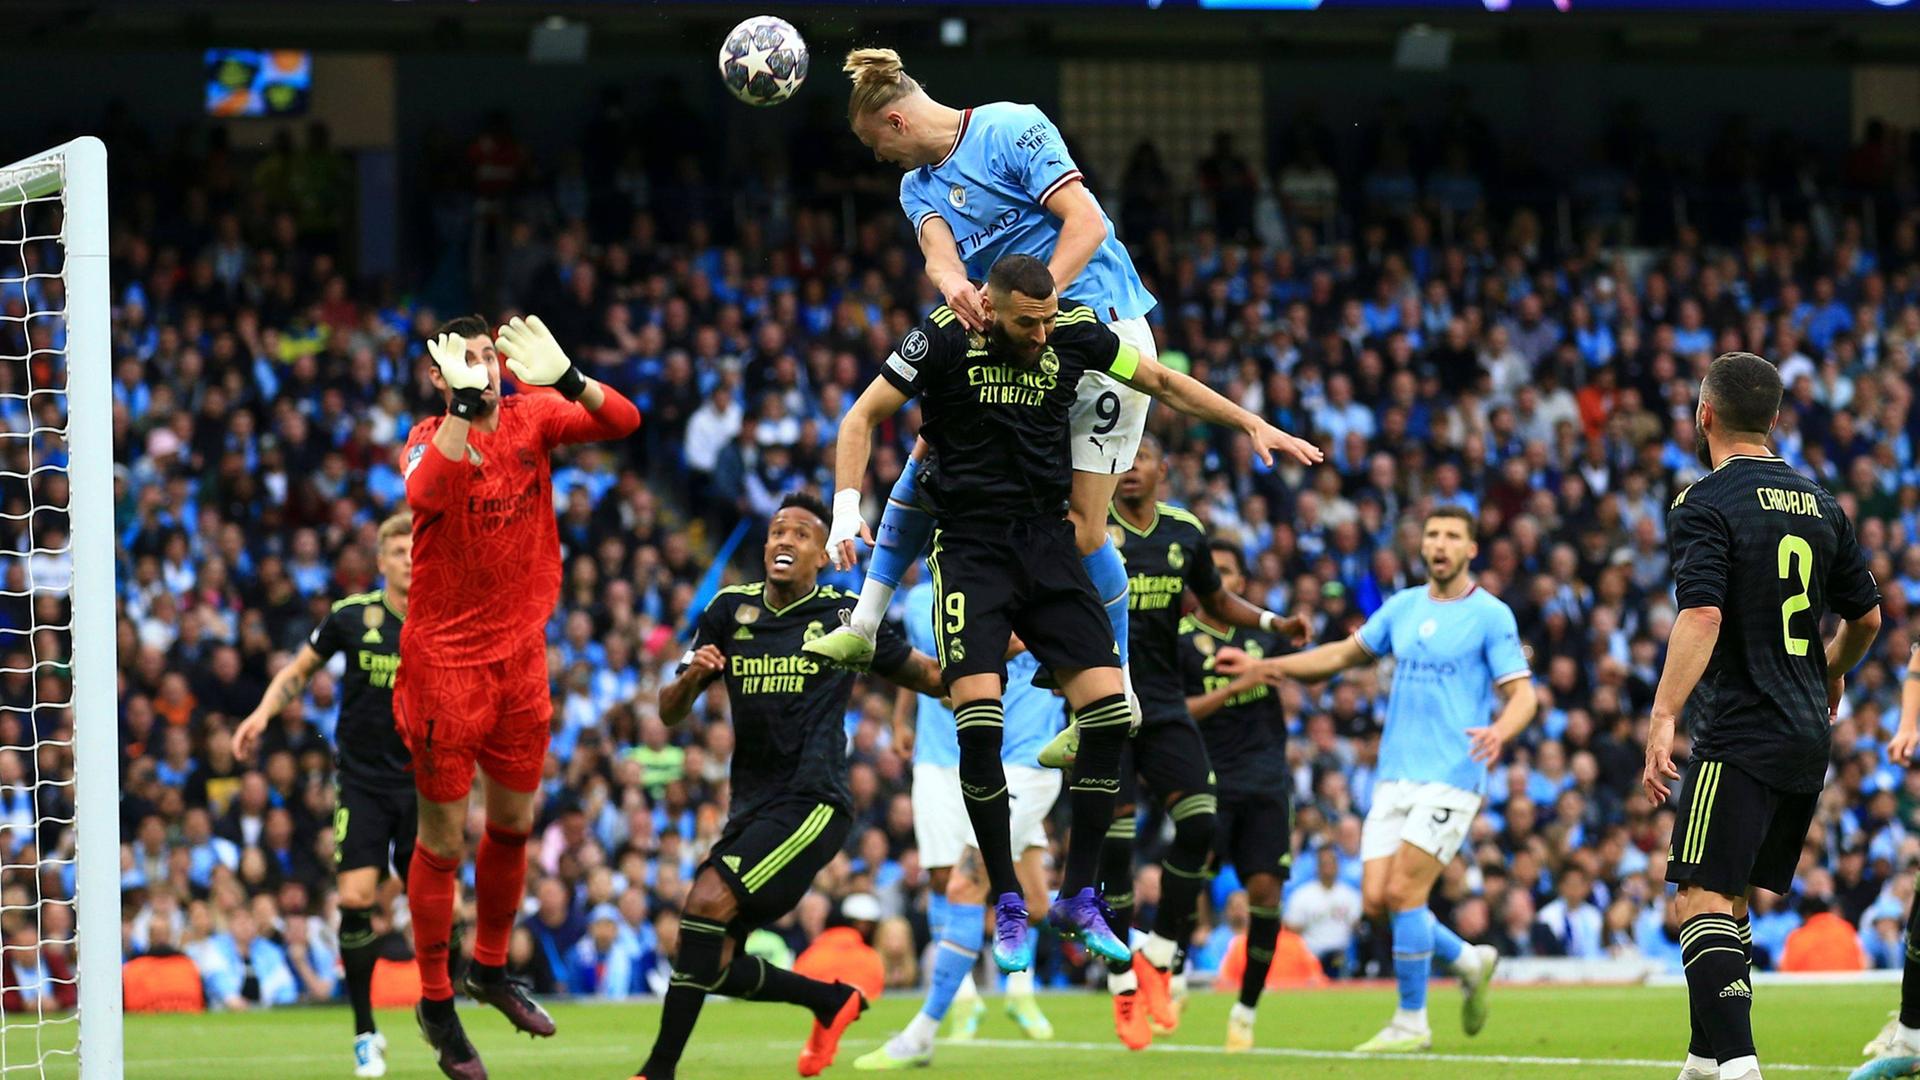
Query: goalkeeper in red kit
(472,687)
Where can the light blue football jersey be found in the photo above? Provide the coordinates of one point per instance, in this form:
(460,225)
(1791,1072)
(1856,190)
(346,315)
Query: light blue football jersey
(1033,716)
(992,188)
(1448,655)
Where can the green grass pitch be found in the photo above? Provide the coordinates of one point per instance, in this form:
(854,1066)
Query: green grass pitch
(1595,1033)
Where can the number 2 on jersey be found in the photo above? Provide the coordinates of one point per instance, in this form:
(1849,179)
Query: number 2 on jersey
(1795,555)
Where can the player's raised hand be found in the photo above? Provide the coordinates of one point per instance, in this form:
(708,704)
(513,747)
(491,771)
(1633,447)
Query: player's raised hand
(1660,771)
(1296,629)
(966,301)
(847,525)
(1270,441)
(536,359)
(449,353)
(1900,749)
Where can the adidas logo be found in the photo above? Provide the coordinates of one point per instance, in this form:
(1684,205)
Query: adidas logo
(371,637)
(732,862)
(1738,988)
(743,634)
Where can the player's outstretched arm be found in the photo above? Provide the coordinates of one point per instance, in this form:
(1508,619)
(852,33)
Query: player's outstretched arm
(285,689)
(697,672)
(949,274)
(536,359)
(906,710)
(1689,648)
(1195,398)
(1083,228)
(920,673)
(1201,706)
(1317,664)
(850,455)
(1226,606)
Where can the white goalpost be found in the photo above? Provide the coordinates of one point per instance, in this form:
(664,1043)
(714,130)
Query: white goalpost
(59,746)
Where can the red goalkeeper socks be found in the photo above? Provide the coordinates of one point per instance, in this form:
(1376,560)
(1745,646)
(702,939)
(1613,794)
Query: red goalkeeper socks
(500,880)
(431,891)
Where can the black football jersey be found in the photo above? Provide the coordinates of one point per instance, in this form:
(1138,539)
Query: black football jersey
(1247,737)
(1000,429)
(1163,560)
(1774,552)
(789,709)
(367,748)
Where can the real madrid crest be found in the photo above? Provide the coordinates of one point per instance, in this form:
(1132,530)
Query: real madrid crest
(1049,363)
(814,630)
(1204,642)
(1118,535)
(745,614)
(373,615)
(1176,556)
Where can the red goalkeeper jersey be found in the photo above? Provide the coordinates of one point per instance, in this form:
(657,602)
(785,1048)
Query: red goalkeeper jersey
(486,544)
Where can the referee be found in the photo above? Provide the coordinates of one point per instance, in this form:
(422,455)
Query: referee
(375,816)
(1761,554)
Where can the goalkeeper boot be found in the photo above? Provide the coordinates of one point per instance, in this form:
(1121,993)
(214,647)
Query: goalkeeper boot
(511,997)
(1473,1011)
(1079,918)
(457,1058)
(1397,1038)
(845,647)
(1062,749)
(823,1042)
(1012,939)
(1239,1029)
(369,1054)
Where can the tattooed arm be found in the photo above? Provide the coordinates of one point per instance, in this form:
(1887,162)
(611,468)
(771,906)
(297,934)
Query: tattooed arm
(285,689)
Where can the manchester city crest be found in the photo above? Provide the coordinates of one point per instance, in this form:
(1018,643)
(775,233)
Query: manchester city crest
(957,195)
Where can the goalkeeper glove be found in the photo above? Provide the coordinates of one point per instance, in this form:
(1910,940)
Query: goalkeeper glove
(537,360)
(467,381)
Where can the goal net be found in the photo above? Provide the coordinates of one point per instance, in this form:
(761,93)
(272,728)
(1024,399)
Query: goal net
(59,728)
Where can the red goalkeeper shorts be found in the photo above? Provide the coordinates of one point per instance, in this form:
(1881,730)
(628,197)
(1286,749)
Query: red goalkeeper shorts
(494,716)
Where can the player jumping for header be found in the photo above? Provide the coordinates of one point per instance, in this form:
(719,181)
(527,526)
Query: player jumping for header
(996,410)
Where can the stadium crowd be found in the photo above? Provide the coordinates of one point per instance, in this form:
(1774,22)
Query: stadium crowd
(1396,305)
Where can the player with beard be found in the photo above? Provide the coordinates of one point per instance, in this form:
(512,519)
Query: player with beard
(790,809)
(1004,560)
(1456,649)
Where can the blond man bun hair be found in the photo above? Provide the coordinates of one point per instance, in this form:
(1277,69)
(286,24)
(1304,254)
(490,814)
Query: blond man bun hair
(878,80)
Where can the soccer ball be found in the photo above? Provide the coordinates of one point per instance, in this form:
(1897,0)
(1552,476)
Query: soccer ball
(764,60)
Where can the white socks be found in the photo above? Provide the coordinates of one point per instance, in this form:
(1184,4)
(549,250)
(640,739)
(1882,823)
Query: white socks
(920,1030)
(968,991)
(1739,1067)
(1124,983)
(1020,983)
(872,607)
(1158,951)
(1411,1020)
(1910,1036)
